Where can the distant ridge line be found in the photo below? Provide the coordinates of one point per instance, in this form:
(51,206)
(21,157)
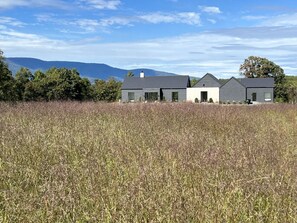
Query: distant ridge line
(89,70)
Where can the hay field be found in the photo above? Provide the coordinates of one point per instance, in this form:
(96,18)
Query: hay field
(95,162)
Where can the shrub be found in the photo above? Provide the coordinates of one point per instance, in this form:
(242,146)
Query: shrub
(196,100)
(210,100)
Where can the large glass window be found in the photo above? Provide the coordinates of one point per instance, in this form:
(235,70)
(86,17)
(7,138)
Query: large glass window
(131,96)
(151,96)
(267,96)
(174,96)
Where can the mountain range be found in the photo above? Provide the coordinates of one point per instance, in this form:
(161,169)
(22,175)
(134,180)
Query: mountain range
(90,70)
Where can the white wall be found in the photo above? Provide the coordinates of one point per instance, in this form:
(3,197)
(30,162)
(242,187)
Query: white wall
(212,92)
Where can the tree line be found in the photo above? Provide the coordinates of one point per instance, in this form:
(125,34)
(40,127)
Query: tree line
(66,84)
(54,84)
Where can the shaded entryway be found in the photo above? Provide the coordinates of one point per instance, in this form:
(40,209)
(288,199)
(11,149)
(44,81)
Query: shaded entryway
(204,97)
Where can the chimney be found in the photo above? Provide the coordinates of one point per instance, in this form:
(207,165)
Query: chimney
(141,74)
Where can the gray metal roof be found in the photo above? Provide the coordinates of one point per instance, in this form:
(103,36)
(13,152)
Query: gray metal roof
(156,82)
(232,78)
(206,76)
(257,82)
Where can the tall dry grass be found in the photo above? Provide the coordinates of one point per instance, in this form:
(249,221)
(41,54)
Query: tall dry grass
(93,162)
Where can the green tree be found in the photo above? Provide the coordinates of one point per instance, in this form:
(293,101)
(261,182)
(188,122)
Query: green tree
(85,89)
(65,84)
(194,81)
(291,87)
(35,90)
(99,90)
(130,74)
(7,82)
(114,90)
(22,78)
(258,67)
(39,75)
(107,90)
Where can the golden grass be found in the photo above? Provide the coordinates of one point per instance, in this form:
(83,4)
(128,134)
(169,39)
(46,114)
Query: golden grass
(94,162)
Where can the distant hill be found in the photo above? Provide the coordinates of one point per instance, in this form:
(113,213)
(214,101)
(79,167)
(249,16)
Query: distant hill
(89,70)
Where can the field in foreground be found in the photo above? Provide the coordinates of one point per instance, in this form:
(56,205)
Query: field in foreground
(92,162)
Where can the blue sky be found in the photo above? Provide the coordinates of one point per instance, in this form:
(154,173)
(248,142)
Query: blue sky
(189,37)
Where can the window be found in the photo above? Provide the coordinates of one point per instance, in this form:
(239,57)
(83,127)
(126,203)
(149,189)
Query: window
(131,96)
(267,96)
(151,96)
(254,96)
(174,96)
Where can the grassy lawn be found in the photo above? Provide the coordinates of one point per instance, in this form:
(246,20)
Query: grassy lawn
(93,162)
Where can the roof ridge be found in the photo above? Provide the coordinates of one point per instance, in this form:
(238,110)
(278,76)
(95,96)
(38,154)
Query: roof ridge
(235,80)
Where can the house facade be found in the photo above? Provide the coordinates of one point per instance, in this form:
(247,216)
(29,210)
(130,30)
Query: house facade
(207,89)
(233,90)
(259,89)
(155,88)
(254,89)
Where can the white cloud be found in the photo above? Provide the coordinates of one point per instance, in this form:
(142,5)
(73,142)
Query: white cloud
(216,52)
(11,21)
(103,4)
(286,20)
(88,25)
(13,3)
(92,25)
(190,18)
(115,21)
(6,4)
(212,21)
(45,18)
(251,17)
(158,18)
(210,9)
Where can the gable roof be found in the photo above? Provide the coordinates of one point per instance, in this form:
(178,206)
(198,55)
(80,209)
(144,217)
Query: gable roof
(208,75)
(233,78)
(257,82)
(168,82)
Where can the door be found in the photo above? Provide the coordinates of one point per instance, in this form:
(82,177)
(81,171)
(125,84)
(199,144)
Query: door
(254,96)
(204,97)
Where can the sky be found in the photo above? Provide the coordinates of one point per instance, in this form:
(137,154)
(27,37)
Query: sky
(187,37)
